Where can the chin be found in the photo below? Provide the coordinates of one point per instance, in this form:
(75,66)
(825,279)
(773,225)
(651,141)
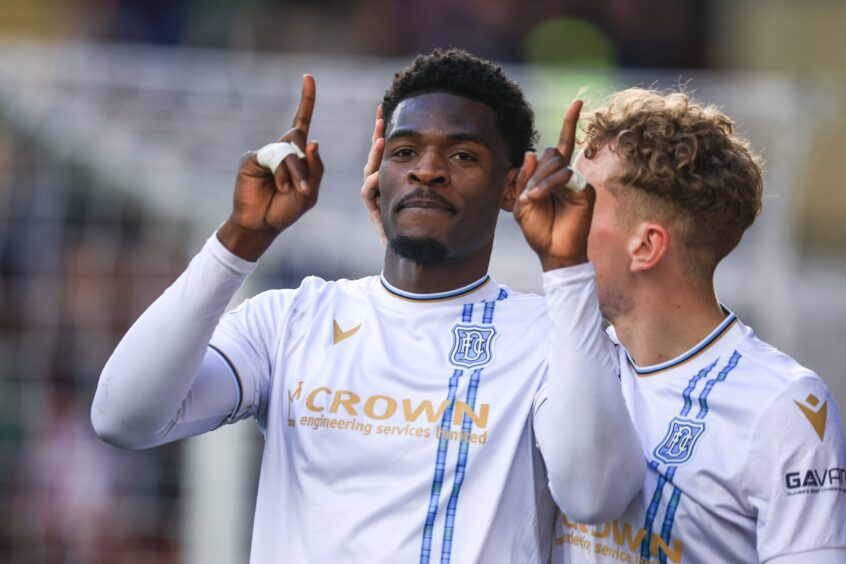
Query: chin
(421,250)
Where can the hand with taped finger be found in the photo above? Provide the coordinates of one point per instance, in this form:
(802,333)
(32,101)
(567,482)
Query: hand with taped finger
(370,189)
(555,204)
(275,186)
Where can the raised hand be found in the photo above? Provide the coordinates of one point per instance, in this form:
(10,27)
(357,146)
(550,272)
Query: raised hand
(554,218)
(267,202)
(370,189)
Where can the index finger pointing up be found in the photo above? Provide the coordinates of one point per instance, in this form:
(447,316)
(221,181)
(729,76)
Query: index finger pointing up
(567,139)
(302,119)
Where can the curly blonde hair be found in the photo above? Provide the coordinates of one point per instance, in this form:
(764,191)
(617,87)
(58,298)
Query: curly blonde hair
(686,164)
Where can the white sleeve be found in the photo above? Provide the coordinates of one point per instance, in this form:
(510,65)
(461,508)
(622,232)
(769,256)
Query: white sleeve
(823,556)
(583,428)
(795,473)
(163,382)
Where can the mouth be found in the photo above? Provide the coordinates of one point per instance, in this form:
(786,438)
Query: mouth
(426,204)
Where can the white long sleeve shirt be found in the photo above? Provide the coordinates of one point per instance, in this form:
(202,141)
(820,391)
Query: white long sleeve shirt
(398,427)
(747,462)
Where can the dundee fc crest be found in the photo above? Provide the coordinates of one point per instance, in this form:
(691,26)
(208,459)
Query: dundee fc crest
(472,346)
(680,441)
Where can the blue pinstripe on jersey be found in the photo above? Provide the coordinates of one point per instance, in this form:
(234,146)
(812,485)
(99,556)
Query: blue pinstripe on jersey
(440,467)
(669,517)
(652,511)
(464,448)
(460,469)
(675,497)
(692,385)
(703,397)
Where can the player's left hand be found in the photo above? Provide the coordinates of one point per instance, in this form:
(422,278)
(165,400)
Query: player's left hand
(555,220)
(370,189)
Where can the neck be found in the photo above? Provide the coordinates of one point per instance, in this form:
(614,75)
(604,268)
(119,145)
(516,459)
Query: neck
(661,325)
(431,278)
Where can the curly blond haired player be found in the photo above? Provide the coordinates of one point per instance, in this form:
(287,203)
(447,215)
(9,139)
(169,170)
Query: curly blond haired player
(746,454)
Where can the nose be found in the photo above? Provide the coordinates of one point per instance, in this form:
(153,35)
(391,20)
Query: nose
(429,170)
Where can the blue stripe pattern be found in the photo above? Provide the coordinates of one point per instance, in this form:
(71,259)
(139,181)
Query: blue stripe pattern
(487,317)
(703,397)
(692,385)
(440,467)
(460,469)
(463,449)
(651,512)
(669,517)
(675,497)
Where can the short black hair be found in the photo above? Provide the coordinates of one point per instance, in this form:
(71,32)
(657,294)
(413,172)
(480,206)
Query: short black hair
(455,71)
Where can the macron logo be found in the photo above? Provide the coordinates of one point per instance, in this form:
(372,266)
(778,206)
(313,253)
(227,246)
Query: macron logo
(815,416)
(339,334)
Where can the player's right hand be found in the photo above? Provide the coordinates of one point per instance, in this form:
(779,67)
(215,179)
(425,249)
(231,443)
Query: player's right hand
(267,202)
(370,194)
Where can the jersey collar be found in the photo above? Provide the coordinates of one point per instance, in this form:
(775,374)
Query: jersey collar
(480,290)
(706,344)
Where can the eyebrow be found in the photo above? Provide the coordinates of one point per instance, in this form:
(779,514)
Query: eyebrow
(407,133)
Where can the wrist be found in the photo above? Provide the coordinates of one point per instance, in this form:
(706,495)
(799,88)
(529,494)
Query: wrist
(248,244)
(553,263)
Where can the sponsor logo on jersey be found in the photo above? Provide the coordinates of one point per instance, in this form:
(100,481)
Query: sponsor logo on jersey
(472,345)
(680,441)
(339,334)
(619,541)
(346,410)
(816,416)
(815,481)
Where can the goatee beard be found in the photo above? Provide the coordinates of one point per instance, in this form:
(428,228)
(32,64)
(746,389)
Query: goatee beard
(420,250)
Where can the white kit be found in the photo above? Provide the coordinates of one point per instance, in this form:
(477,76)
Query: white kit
(746,455)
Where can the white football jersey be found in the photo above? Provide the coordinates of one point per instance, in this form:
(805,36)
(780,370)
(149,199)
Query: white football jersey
(397,428)
(746,455)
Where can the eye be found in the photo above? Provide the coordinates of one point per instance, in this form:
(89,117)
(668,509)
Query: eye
(403,153)
(464,156)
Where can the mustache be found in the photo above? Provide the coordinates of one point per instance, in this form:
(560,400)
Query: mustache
(421,194)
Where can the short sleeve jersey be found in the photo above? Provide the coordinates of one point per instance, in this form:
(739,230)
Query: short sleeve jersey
(397,426)
(746,460)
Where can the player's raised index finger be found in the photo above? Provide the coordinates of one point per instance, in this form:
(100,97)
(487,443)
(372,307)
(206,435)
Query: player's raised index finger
(302,119)
(567,139)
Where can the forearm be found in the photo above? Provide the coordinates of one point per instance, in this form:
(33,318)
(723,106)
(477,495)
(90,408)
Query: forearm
(584,430)
(150,384)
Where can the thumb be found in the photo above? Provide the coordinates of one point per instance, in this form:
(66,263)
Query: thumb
(370,191)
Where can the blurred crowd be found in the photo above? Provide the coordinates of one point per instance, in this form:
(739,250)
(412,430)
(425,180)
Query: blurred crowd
(76,267)
(629,33)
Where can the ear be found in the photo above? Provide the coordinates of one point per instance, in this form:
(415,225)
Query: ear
(647,246)
(509,195)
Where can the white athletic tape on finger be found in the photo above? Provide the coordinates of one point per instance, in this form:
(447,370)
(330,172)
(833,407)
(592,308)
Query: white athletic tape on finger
(271,155)
(577,182)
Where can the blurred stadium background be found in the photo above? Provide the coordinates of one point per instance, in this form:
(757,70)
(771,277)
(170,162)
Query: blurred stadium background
(121,125)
